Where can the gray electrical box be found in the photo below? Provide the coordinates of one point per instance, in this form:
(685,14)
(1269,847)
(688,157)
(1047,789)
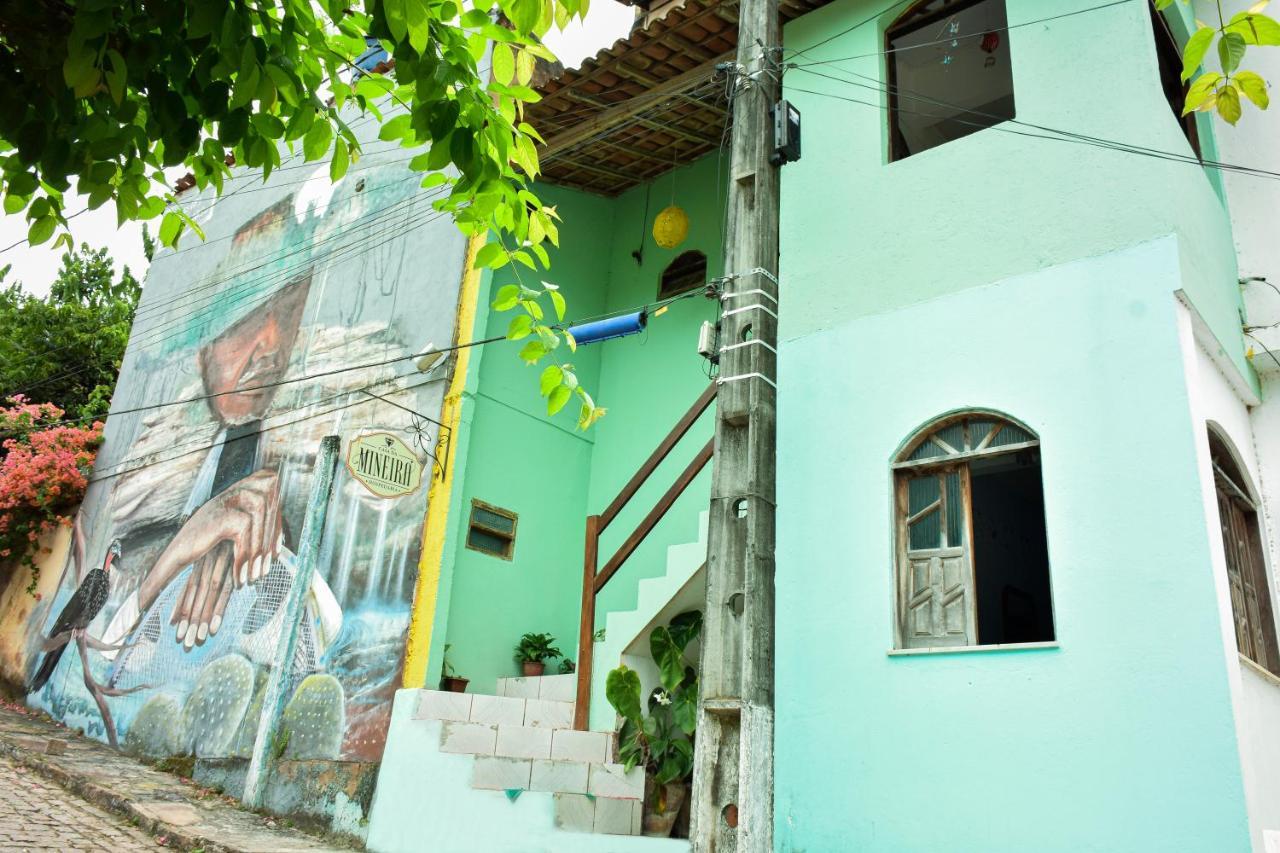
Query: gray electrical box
(786,134)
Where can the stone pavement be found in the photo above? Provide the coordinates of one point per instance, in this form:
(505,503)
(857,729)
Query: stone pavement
(36,814)
(179,814)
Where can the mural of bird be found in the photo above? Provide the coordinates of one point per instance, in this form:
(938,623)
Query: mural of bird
(77,614)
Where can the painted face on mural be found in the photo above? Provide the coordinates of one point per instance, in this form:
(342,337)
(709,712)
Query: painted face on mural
(252,353)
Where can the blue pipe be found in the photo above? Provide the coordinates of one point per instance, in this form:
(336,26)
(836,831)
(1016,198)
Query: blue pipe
(606,330)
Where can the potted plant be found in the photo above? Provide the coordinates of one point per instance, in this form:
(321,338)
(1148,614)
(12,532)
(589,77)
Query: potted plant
(662,740)
(450,680)
(533,652)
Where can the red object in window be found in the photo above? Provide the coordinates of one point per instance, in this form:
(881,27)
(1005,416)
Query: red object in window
(990,42)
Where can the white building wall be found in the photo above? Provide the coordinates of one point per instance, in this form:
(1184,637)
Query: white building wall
(1219,397)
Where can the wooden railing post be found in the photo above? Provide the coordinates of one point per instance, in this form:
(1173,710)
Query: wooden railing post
(587,629)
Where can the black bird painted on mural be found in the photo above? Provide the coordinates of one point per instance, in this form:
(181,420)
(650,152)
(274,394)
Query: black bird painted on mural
(77,614)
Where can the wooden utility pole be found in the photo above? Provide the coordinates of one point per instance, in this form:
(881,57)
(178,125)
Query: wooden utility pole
(732,807)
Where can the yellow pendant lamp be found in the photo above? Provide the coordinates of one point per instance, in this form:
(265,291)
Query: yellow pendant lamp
(671,226)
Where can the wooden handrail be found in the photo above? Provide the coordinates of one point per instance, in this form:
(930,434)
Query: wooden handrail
(593,582)
(655,515)
(651,464)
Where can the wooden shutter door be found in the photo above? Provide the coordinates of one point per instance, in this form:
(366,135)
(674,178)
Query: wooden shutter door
(936,602)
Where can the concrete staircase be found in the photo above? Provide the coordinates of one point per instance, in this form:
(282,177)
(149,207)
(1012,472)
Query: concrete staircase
(626,635)
(478,772)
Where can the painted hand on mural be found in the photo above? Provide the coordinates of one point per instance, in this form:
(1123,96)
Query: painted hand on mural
(230,541)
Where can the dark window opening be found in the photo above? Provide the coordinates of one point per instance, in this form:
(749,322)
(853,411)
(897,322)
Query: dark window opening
(687,272)
(1010,552)
(972,557)
(1246,564)
(1169,56)
(949,73)
(492,530)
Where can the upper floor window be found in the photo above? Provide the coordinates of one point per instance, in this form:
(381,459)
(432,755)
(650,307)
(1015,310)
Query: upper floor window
(687,272)
(1169,58)
(1246,565)
(972,565)
(949,73)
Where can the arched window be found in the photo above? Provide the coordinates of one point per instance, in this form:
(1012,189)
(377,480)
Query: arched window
(972,564)
(1246,565)
(686,272)
(949,73)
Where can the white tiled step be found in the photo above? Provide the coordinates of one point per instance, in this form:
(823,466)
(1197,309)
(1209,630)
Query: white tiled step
(582,813)
(558,688)
(494,710)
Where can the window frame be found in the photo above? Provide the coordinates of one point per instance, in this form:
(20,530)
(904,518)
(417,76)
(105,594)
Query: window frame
(902,470)
(1236,488)
(1189,123)
(912,17)
(473,524)
(665,292)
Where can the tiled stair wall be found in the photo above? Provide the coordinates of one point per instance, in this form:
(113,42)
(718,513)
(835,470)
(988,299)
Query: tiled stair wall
(523,741)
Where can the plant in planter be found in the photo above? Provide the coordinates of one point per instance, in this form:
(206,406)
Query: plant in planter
(533,652)
(568,667)
(662,740)
(449,678)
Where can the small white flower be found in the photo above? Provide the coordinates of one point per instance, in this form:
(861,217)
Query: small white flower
(663,699)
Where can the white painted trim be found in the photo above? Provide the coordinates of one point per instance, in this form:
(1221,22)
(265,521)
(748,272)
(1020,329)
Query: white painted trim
(1212,347)
(956,650)
(1266,674)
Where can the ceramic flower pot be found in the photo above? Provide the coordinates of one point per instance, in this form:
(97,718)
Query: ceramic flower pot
(454,685)
(662,806)
(532,668)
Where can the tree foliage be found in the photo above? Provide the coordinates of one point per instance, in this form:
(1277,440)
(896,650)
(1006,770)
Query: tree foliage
(66,348)
(104,95)
(1227,90)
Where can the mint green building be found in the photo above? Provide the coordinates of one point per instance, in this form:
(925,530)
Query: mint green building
(1023,585)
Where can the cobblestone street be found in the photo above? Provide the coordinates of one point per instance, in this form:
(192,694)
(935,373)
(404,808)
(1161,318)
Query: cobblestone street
(38,814)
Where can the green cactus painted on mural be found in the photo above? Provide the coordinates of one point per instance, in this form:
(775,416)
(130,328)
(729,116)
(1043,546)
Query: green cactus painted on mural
(216,707)
(314,719)
(156,731)
(242,746)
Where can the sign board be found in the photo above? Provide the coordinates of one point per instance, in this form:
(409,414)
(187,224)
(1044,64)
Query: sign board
(384,465)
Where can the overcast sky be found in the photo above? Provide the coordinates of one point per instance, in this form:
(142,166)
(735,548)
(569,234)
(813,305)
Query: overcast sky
(35,267)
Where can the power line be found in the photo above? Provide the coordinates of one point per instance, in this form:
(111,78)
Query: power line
(848,30)
(948,40)
(1057,134)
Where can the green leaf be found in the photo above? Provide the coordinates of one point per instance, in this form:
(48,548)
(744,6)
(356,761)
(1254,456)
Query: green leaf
(341,160)
(533,352)
(117,76)
(41,229)
(504,64)
(520,327)
(550,379)
(507,296)
(684,708)
(1255,28)
(524,67)
(558,302)
(622,690)
(397,20)
(316,143)
(170,227)
(14,203)
(685,627)
(1229,104)
(1254,88)
(1193,54)
(1201,90)
(669,657)
(493,256)
(1231,48)
(396,128)
(418,22)
(560,396)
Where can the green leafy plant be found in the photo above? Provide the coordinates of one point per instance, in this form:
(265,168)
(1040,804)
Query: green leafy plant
(1223,90)
(568,667)
(535,648)
(446,668)
(661,740)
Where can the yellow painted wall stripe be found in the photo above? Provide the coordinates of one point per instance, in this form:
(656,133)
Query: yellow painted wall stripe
(436,524)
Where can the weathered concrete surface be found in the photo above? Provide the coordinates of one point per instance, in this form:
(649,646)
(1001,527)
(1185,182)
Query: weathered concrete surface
(188,817)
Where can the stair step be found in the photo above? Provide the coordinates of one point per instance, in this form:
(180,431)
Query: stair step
(558,688)
(494,710)
(581,813)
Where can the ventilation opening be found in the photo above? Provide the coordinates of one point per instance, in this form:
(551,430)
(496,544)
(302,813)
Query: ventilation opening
(492,530)
(687,272)
(1010,552)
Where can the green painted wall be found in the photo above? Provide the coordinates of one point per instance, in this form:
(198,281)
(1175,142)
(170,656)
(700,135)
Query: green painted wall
(1035,277)
(994,203)
(512,455)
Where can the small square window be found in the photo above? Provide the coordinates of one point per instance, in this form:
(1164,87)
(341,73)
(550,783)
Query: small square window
(949,73)
(491,530)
